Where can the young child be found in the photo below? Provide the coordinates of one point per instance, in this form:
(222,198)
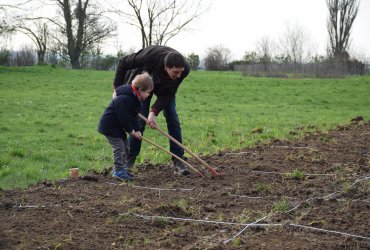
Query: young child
(120,117)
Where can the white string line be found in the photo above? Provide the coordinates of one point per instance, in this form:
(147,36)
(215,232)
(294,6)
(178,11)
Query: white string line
(299,204)
(245,228)
(112,183)
(38,206)
(29,206)
(288,147)
(324,197)
(245,196)
(269,197)
(338,192)
(158,189)
(253,153)
(240,232)
(329,195)
(149,217)
(190,189)
(359,180)
(296,207)
(254,224)
(241,153)
(329,231)
(164,189)
(289,173)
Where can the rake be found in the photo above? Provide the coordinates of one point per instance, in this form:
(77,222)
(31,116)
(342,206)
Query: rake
(168,152)
(212,170)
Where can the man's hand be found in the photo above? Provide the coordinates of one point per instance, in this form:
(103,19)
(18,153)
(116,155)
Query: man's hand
(152,122)
(136,134)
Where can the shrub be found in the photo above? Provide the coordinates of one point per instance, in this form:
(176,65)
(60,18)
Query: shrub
(26,56)
(5,57)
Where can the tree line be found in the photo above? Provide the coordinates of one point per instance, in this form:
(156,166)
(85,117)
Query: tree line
(74,30)
(73,34)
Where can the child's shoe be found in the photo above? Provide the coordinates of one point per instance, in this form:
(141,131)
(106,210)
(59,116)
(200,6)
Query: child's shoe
(129,174)
(122,174)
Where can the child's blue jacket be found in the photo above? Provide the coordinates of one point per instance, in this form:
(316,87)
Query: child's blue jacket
(120,117)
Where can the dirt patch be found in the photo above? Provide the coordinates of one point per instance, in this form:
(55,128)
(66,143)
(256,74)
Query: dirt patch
(302,194)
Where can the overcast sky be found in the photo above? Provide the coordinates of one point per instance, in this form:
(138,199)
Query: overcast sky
(239,24)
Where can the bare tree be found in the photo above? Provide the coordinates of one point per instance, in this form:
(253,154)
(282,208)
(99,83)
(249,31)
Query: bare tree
(161,20)
(4,27)
(265,49)
(82,26)
(342,14)
(295,44)
(37,31)
(6,16)
(217,58)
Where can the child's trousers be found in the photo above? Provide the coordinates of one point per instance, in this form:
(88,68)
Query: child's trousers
(120,150)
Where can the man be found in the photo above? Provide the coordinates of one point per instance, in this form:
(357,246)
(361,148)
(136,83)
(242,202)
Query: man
(168,69)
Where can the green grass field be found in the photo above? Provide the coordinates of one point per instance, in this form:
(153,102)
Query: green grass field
(49,116)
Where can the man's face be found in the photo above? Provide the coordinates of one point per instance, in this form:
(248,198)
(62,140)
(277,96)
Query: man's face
(174,72)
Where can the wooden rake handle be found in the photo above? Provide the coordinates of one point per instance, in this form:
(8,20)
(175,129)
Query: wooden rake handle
(182,146)
(168,152)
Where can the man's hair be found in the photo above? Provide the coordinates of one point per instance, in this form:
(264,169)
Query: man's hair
(143,82)
(174,59)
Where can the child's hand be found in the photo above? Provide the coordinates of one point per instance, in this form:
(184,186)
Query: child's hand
(136,134)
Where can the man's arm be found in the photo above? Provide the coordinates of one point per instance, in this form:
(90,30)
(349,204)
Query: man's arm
(161,102)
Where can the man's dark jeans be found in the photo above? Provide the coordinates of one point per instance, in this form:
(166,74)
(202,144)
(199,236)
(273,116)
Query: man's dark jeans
(173,126)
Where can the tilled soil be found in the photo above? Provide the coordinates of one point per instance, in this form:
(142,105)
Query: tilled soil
(303,194)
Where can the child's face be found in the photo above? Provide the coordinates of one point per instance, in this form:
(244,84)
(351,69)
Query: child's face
(144,94)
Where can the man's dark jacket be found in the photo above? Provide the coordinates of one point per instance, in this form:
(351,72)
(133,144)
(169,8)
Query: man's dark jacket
(150,59)
(121,114)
